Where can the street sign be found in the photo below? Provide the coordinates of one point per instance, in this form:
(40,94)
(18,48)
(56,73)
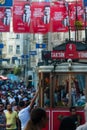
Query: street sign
(5,59)
(43,45)
(0,60)
(1,45)
(25,56)
(14,58)
(32,53)
(0,52)
(6,3)
(85,2)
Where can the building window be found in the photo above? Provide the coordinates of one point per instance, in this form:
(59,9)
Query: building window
(17,36)
(18,49)
(10,49)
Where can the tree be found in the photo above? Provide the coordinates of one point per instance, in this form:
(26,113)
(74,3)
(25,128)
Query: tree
(17,70)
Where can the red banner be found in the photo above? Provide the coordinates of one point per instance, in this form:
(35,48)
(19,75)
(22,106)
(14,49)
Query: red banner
(76,15)
(5,18)
(22,17)
(60,19)
(41,17)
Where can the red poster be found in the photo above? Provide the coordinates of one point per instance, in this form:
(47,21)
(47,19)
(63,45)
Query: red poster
(22,17)
(76,12)
(41,17)
(5,18)
(60,19)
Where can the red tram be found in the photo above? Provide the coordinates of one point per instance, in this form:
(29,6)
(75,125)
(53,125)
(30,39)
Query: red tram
(61,88)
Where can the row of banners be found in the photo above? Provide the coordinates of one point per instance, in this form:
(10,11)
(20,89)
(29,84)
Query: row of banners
(43,17)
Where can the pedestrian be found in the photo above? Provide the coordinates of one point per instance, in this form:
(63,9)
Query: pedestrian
(3,124)
(67,124)
(12,119)
(24,112)
(83,126)
(75,117)
(38,119)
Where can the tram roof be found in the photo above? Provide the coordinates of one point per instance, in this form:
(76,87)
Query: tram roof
(80,46)
(64,67)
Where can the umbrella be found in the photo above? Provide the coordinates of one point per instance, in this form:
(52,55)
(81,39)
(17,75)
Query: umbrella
(3,77)
(13,77)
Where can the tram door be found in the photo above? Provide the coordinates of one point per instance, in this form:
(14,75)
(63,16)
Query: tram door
(63,89)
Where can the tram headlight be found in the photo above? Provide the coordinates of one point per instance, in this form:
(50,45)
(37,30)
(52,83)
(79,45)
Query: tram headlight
(69,60)
(70,64)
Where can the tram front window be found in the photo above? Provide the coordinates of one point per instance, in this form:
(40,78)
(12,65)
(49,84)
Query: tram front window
(66,89)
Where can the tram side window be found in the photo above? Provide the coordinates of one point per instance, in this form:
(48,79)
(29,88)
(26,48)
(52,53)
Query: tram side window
(77,93)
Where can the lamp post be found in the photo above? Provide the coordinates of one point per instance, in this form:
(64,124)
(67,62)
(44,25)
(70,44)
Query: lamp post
(26,61)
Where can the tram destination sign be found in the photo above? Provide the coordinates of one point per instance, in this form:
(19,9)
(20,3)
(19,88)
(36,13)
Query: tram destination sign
(63,55)
(70,52)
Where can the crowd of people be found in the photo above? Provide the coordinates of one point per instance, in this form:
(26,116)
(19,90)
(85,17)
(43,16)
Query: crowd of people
(14,92)
(16,100)
(19,110)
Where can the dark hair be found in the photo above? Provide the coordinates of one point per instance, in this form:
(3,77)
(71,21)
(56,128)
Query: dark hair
(71,108)
(46,6)
(37,114)
(1,103)
(67,123)
(21,104)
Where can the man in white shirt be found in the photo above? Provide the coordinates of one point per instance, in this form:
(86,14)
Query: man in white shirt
(24,113)
(84,126)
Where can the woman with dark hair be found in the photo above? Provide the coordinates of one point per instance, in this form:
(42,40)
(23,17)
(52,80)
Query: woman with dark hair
(38,119)
(67,124)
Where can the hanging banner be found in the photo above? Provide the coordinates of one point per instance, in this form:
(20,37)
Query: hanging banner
(60,18)
(77,16)
(22,17)
(41,17)
(5,18)
(6,3)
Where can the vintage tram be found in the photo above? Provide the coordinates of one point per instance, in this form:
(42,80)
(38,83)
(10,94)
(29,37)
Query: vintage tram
(62,88)
(62,85)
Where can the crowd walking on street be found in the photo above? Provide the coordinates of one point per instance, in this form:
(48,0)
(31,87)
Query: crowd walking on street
(19,110)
